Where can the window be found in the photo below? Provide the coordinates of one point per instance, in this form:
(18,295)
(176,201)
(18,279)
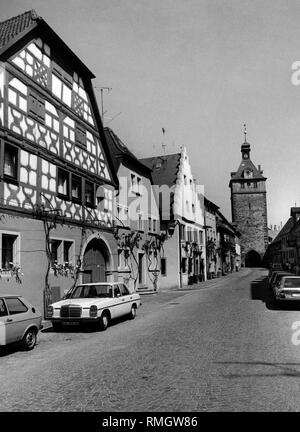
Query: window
(11,162)
(140,222)
(15,306)
(76,188)
(201,237)
(138,180)
(54,247)
(193,208)
(154,225)
(62,251)
(243,185)
(124,289)
(149,223)
(9,250)
(184,179)
(183,265)
(3,310)
(67,251)
(255,184)
(80,136)
(163,266)
(189,234)
(135,184)
(183,235)
(62,182)
(119,258)
(117,292)
(89,196)
(196,236)
(36,106)
(61,90)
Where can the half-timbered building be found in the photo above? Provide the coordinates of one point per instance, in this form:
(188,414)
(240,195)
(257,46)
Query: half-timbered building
(56,176)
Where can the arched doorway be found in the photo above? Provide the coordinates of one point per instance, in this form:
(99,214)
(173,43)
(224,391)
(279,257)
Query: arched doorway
(252,259)
(95,259)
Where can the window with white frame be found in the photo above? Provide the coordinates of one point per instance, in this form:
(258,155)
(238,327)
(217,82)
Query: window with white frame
(10,249)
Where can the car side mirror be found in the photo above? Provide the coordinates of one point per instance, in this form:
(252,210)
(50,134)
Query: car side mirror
(118,295)
(33,310)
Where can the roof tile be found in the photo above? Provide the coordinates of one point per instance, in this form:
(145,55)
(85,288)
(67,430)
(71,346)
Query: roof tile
(11,27)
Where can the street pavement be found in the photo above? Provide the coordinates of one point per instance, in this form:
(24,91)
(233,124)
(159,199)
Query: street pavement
(216,346)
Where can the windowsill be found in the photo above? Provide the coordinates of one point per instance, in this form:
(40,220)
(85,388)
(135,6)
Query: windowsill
(63,197)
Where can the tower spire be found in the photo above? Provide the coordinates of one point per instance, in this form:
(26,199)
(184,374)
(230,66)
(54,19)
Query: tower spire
(245,132)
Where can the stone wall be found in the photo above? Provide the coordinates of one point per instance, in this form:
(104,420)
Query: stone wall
(249,211)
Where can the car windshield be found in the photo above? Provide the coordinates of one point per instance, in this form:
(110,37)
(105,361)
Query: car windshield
(291,282)
(92,291)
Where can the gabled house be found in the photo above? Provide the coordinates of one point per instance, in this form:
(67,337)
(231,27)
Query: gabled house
(57,177)
(228,245)
(284,251)
(137,224)
(213,263)
(181,204)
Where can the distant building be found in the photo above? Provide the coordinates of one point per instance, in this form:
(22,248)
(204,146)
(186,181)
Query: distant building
(249,208)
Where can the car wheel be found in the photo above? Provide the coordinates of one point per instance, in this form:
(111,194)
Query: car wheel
(29,340)
(104,321)
(56,326)
(133,312)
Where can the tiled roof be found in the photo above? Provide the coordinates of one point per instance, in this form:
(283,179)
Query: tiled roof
(11,27)
(164,168)
(120,151)
(285,229)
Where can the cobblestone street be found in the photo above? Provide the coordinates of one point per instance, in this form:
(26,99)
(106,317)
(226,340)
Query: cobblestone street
(220,347)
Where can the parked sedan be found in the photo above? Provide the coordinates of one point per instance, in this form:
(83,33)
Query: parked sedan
(276,277)
(19,321)
(95,303)
(288,288)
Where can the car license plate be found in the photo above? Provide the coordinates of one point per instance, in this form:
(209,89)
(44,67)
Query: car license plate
(67,323)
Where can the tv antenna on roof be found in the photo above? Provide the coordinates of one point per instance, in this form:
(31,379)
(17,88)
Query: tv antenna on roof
(108,89)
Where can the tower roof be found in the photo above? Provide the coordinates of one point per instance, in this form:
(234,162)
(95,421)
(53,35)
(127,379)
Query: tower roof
(247,169)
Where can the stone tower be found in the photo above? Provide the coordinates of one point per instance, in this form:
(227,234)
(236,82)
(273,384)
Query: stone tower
(249,207)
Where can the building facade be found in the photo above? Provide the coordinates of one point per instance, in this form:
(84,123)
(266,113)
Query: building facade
(137,224)
(181,204)
(249,208)
(57,178)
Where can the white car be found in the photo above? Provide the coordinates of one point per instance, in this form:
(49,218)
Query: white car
(288,288)
(19,321)
(94,303)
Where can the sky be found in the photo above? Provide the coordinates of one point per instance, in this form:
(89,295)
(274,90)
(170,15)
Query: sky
(199,69)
